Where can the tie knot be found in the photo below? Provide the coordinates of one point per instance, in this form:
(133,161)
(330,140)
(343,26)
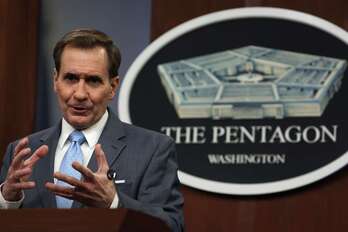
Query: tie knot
(77,136)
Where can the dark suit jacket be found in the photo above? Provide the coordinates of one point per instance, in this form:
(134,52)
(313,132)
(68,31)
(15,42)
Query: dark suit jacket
(145,159)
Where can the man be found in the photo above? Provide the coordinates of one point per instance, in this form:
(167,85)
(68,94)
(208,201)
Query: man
(68,165)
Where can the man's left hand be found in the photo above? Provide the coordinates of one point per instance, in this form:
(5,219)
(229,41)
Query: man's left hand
(94,189)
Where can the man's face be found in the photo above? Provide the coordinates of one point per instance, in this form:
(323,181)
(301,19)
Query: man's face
(83,86)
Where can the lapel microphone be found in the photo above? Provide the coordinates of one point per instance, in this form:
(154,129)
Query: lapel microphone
(111,174)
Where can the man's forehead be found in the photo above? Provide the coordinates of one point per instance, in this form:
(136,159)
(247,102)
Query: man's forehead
(96,51)
(84,61)
(80,74)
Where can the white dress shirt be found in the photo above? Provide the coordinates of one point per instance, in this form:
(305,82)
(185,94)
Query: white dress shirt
(91,134)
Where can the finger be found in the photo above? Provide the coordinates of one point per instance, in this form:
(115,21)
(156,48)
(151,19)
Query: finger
(21,145)
(41,151)
(69,179)
(86,198)
(101,159)
(86,172)
(83,197)
(92,199)
(80,197)
(17,160)
(22,185)
(18,174)
(67,192)
(38,154)
(69,196)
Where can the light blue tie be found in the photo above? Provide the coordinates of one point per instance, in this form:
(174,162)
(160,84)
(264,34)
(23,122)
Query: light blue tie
(73,153)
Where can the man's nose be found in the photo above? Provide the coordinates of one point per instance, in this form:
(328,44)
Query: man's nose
(80,91)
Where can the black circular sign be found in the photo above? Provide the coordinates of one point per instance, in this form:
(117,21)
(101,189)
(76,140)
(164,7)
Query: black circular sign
(280,121)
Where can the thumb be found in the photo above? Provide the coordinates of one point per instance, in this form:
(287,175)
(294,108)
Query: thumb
(101,159)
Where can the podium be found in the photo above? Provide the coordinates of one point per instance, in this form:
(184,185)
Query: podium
(78,220)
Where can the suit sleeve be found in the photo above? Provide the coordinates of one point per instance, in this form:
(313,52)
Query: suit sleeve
(7,159)
(159,195)
(4,169)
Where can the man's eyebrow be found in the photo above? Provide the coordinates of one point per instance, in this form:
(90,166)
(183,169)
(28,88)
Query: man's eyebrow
(93,76)
(71,73)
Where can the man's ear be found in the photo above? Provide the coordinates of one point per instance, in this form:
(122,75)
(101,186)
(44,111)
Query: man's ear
(55,78)
(114,82)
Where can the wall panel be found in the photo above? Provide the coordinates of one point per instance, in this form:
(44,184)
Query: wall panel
(18,55)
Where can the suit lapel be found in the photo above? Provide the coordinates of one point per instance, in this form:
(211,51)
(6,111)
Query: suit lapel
(44,169)
(111,145)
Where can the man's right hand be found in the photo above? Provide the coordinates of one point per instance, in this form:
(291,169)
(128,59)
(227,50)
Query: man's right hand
(20,170)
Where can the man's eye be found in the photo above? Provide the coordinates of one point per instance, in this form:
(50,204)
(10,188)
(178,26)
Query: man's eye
(94,80)
(70,77)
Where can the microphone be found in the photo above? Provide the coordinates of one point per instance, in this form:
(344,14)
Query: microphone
(111,174)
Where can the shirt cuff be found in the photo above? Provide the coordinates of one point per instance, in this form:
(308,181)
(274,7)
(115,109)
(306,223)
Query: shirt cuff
(114,203)
(10,204)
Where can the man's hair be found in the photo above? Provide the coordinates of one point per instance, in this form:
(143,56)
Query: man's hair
(87,39)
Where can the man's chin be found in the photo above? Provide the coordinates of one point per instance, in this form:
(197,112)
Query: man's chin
(80,122)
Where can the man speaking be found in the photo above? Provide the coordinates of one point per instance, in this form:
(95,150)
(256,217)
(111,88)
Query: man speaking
(90,158)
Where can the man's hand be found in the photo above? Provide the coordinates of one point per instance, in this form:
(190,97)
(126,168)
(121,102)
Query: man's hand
(20,170)
(94,190)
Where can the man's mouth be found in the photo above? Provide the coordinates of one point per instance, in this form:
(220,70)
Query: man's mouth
(79,109)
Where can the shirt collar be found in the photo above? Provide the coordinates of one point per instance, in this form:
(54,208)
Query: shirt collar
(91,134)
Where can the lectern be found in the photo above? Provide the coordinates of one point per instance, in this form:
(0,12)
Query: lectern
(78,220)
